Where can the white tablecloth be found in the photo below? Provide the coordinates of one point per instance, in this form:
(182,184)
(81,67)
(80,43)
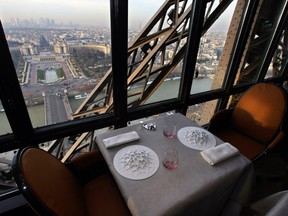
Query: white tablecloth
(194,188)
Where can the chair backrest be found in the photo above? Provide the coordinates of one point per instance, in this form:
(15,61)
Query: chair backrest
(47,184)
(260,112)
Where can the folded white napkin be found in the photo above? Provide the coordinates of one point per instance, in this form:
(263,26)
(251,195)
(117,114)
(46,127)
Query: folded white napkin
(121,139)
(219,153)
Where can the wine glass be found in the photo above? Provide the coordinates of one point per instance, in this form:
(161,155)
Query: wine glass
(170,159)
(169,129)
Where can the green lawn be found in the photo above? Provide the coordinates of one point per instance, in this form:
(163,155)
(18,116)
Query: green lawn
(41,74)
(60,72)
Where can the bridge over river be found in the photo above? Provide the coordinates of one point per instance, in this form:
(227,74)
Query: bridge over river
(57,108)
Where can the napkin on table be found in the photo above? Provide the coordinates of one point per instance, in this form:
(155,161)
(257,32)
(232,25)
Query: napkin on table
(121,139)
(219,153)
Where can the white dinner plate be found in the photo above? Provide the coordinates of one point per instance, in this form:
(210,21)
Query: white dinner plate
(136,162)
(196,138)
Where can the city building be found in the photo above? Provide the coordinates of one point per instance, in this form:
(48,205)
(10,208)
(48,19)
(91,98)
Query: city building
(28,50)
(61,48)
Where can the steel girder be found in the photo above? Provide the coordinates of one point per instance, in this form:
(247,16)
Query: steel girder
(152,56)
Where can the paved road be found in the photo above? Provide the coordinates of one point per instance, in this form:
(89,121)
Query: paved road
(55,109)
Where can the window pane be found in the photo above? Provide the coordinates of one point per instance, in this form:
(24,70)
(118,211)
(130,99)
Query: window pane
(6,177)
(279,59)
(60,50)
(201,113)
(259,43)
(156,55)
(4,124)
(214,49)
(155,51)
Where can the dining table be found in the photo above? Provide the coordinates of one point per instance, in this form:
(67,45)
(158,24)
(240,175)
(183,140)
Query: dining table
(195,187)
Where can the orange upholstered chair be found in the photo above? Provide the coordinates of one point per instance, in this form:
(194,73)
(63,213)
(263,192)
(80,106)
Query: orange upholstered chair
(82,187)
(257,123)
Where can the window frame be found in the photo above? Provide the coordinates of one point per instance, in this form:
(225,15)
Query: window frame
(23,132)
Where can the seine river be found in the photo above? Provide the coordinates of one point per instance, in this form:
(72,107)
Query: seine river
(168,90)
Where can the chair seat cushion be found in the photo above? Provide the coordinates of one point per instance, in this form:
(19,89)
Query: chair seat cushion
(260,111)
(248,147)
(103,197)
(46,176)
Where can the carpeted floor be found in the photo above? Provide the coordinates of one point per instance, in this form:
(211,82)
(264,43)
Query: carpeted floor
(271,174)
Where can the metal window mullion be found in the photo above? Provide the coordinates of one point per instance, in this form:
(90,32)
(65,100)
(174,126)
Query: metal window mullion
(119,41)
(11,96)
(193,41)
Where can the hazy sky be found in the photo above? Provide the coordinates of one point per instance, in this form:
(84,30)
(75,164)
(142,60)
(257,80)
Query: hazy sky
(87,12)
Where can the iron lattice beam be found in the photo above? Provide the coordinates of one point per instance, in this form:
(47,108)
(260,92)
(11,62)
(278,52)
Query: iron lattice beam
(153,56)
